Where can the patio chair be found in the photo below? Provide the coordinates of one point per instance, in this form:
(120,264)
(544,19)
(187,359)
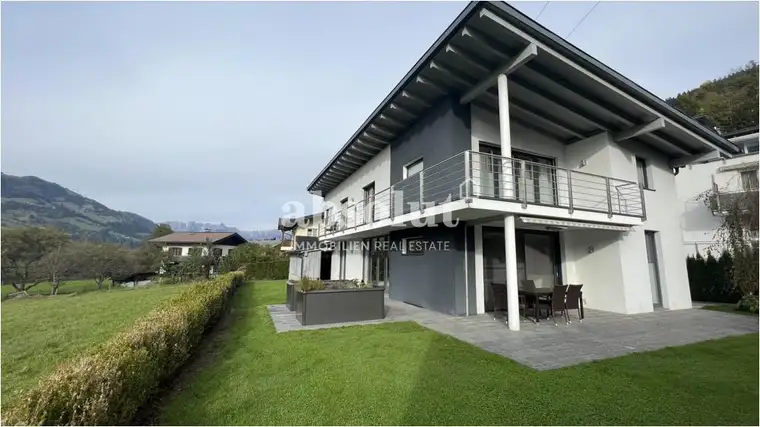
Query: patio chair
(573,300)
(557,303)
(499,291)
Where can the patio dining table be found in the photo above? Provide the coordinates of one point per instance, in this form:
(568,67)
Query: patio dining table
(537,293)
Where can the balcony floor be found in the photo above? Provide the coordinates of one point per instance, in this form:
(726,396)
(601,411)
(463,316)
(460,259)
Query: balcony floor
(479,209)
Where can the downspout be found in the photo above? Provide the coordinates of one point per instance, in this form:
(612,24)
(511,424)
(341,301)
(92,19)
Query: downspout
(466,276)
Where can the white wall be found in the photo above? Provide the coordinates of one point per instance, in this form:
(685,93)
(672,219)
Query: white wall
(697,222)
(377,170)
(612,266)
(485,127)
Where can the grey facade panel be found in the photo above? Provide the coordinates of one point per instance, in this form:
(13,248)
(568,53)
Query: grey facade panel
(444,132)
(434,279)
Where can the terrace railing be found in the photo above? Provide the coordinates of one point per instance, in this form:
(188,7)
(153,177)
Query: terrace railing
(480,175)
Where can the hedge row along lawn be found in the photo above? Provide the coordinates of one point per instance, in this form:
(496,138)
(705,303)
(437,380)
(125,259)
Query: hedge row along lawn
(40,332)
(404,374)
(106,385)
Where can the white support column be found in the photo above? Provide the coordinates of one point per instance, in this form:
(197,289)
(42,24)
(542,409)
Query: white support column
(480,302)
(506,138)
(513,314)
(510,242)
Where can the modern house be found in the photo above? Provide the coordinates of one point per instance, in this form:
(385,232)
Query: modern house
(508,154)
(728,178)
(300,242)
(185,243)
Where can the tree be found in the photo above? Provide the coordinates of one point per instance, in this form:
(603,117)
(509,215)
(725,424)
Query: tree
(738,232)
(730,102)
(101,261)
(22,252)
(161,230)
(58,265)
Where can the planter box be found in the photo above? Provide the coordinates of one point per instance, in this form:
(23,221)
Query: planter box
(290,302)
(340,305)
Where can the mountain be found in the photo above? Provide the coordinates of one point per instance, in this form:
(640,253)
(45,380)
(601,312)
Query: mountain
(198,226)
(31,201)
(250,235)
(729,102)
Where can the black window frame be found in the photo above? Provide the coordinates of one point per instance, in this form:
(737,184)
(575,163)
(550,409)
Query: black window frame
(647,184)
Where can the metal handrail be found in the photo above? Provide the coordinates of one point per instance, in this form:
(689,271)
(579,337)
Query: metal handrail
(473,174)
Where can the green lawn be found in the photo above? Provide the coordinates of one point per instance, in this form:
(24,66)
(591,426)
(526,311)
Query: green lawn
(402,373)
(727,308)
(40,332)
(74,286)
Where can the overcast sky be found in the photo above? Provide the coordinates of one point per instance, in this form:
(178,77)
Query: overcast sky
(223,112)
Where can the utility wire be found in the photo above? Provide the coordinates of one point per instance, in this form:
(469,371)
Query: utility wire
(583,19)
(542,10)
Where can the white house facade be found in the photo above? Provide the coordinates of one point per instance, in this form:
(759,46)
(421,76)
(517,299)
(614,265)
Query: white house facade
(182,244)
(508,155)
(727,178)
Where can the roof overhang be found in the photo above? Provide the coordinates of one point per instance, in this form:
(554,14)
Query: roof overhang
(555,89)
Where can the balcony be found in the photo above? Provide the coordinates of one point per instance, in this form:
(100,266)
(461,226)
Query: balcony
(723,201)
(484,183)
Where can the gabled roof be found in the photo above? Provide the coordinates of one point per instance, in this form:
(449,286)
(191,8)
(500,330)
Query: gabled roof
(221,238)
(562,92)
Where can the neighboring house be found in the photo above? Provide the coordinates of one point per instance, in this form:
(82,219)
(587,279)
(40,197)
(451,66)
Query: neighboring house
(559,170)
(300,241)
(184,243)
(727,178)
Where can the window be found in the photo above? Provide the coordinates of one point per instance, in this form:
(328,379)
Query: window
(412,246)
(311,232)
(643,171)
(749,180)
(413,168)
(369,203)
(175,251)
(753,148)
(216,252)
(194,251)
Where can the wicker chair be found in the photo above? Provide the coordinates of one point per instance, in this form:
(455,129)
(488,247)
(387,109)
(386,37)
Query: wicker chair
(557,303)
(499,291)
(573,301)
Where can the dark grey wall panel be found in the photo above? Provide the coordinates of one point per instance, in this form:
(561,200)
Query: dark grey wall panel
(435,279)
(443,133)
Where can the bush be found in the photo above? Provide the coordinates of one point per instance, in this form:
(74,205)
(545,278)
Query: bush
(710,278)
(109,385)
(748,303)
(307,284)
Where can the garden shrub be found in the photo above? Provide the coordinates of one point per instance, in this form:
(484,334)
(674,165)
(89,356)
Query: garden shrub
(307,284)
(748,303)
(109,385)
(710,278)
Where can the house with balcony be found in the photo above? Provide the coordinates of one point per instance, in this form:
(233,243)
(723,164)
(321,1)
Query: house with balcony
(507,154)
(728,178)
(300,238)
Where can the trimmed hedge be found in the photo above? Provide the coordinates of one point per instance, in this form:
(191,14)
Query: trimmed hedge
(108,386)
(710,278)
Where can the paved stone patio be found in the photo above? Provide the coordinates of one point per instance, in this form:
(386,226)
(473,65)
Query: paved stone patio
(544,346)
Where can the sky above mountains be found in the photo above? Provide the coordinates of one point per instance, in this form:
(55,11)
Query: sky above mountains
(224,112)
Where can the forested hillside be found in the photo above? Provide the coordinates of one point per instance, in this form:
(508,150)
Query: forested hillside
(731,102)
